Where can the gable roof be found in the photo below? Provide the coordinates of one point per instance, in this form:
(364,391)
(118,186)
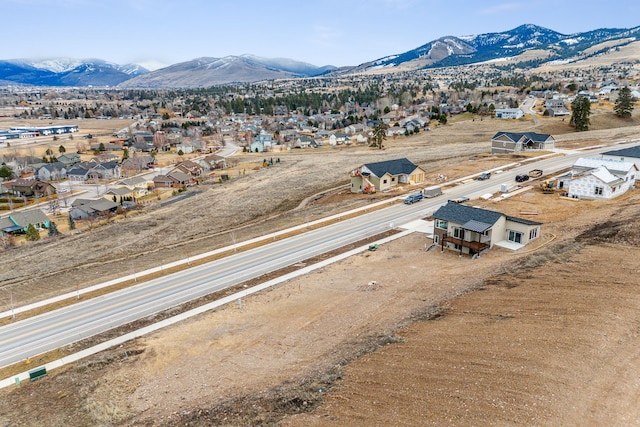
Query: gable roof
(625,152)
(24,218)
(463,214)
(611,165)
(394,167)
(517,136)
(603,174)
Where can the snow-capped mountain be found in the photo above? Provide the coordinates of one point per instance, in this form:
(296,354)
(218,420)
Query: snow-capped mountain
(67,72)
(451,50)
(202,72)
(540,44)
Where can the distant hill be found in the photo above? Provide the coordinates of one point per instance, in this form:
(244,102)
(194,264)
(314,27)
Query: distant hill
(204,72)
(67,72)
(527,46)
(510,45)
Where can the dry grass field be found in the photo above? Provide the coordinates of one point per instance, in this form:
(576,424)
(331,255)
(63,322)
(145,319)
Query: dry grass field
(547,336)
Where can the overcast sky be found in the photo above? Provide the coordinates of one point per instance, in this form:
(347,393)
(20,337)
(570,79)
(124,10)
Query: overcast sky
(321,32)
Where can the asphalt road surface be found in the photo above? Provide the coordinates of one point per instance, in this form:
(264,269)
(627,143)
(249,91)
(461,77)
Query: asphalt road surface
(48,331)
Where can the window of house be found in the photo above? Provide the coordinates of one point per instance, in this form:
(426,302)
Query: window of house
(598,191)
(393,179)
(533,233)
(515,236)
(458,233)
(384,181)
(436,238)
(458,247)
(441,224)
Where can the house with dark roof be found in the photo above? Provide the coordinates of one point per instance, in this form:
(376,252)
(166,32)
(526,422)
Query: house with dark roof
(515,142)
(470,230)
(32,188)
(385,175)
(85,208)
(51,172)
(18,221)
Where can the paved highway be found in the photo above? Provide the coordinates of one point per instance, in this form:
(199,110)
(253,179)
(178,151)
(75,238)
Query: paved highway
(29,337)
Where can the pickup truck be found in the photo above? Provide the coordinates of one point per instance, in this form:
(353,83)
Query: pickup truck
(483,176)
(412,198)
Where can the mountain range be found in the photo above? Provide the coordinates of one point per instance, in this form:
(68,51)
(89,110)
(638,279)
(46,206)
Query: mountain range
(526,46)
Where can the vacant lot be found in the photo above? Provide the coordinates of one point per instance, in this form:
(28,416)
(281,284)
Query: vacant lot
(542,337)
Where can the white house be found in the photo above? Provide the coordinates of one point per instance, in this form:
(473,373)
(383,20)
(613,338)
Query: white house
(509,113)
(598,178)
(631,154)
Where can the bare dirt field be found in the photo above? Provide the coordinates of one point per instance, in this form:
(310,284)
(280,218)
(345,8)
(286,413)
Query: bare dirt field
(547,336)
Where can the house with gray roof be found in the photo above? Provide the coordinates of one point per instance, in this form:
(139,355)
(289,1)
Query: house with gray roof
(18,221)
(386,175)
(51,171)
(470,230)
(515,142)
(631,154)
(598,178)
(86,208)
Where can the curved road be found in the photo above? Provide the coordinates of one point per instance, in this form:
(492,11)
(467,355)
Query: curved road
(57,328)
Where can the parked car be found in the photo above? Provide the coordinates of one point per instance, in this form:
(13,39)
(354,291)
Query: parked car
(412,198)
(522,178)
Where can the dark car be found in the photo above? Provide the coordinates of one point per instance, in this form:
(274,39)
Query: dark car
(522,178)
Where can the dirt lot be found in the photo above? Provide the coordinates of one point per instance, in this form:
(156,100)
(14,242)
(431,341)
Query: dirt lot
(544,337)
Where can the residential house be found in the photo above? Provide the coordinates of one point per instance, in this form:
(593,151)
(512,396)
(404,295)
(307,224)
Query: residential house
(339,139)
(121,195)
(138,163)
(304,141)
(32,188)
(181,178)
(17,222)
(558,112)
(190,168)
(261,143)
(90,208)
(631,154)
(78,172)
(470,230)
(509,113)
(106,170)
(51,172)
(515,142)
(598,178)
(162,181)
(386,175)
(69,159)
(215,161)
(138,185)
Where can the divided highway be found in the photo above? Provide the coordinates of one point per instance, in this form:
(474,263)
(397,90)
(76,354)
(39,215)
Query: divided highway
(48,331)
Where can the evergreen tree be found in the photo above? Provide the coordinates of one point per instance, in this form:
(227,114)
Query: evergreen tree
(53,229)
(32,233)
(624,103)
(61,149)
(581,109)
(72,223)
(379,134)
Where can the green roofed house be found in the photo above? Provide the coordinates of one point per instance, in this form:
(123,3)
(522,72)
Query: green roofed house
(385,175)
(470,230)
(18,221)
